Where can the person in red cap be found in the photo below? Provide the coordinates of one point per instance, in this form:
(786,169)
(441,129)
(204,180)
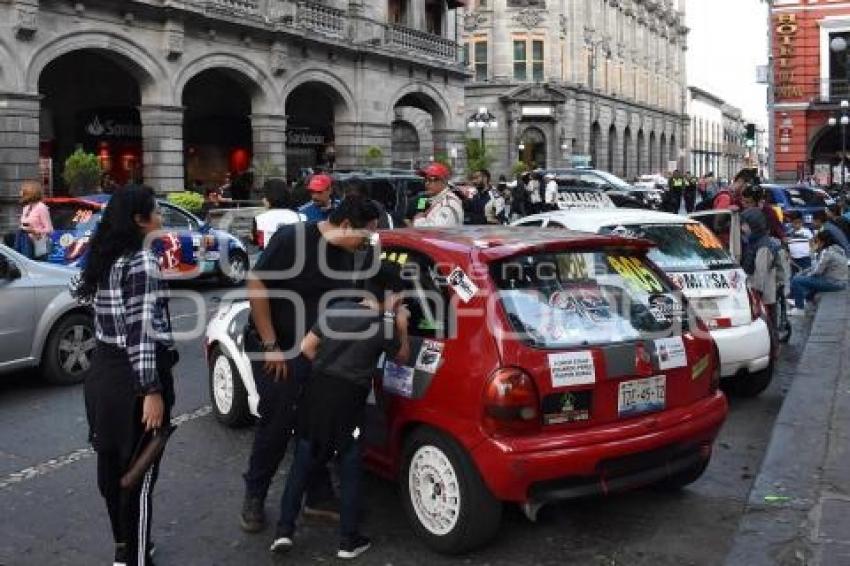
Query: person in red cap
(444,207)
(322,201)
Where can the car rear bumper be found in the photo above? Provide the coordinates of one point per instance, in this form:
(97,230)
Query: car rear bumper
(743,348)
(602,460)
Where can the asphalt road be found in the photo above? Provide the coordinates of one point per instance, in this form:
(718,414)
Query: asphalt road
(52,513)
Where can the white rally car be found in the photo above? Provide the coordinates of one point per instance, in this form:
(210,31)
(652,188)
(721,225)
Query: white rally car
(706,272)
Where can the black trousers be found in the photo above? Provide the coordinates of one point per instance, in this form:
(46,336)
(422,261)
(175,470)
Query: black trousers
(690,199)
(114,412)
(277,408)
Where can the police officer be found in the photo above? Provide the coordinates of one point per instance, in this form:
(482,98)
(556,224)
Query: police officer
(690,192)
(444,207)
(675,187)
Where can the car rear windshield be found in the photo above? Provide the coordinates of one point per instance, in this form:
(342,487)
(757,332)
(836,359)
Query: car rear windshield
(73,216)
(680,247)
(563,300)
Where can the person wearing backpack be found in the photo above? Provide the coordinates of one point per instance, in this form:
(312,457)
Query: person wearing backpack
(759,260)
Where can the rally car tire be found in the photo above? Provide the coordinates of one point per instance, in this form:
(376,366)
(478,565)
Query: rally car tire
(71,343)
(235,272)
(228,396)
(752,384)
(684,478)
(435,465)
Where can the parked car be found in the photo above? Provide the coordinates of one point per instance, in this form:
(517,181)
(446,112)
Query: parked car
(657,182)
(534,384)
(190,248)
(646,197)
(799,199)
(42,325)
(706,272)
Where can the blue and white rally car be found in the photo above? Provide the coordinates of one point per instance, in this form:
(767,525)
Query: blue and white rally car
(190,247)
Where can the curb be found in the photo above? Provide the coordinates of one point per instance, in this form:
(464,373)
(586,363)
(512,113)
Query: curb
(783,516)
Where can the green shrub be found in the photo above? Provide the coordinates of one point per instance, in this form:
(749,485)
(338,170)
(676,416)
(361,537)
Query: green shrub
(193,202)
(477,157)
(82,172)
(518,169)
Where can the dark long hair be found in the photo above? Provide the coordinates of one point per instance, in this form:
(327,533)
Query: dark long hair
(116,235)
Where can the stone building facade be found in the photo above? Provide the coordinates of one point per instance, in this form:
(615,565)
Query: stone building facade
(717,135)
(187,91)
(579,80)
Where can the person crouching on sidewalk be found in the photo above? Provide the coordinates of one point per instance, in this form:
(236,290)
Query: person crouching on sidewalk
(344,346)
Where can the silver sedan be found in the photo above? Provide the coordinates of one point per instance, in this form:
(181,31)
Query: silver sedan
(41,325)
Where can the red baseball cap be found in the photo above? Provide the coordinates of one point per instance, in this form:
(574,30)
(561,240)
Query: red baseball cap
(435,170)
(319,183)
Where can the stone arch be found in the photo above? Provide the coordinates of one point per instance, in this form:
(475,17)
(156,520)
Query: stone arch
(595,138)
(425,97)
(264,98)
(628,163)
(611,166)
(11,74)
(653,152)
(136,59)
(641,153)
(674,151)
(346,109)
(662,151)
(534,148)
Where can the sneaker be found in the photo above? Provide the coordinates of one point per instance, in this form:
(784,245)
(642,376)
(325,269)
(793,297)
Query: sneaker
(796,312)
(121,555)
(282,541)
(352,547)
(328,510)
(253,516)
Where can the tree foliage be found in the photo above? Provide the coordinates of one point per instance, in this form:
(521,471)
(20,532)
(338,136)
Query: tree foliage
(82,172)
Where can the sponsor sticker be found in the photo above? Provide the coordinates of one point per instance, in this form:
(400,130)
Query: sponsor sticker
(671,353)
(430,356)
(462,284)
(66,240)
(699,368)
(572,368)
(398,379)
(584,199)
(636,274)
(708,280)
(570,407)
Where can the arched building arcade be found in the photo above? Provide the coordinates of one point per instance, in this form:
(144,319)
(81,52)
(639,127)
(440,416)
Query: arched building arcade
(187,95)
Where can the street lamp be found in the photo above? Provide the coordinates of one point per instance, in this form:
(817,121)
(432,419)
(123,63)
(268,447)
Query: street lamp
(844,121)
(483,119)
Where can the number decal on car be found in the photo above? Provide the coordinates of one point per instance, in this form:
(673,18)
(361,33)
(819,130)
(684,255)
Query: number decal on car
(632,270)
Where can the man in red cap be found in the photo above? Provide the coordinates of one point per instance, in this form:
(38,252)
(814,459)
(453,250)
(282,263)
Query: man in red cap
(322,201)
(444,207)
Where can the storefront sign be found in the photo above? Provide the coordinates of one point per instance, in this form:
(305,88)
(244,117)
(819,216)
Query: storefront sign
(786,33)
(536,110)
(117,124)
(304,137)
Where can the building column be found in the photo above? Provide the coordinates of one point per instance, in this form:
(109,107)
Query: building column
(617,167)
(643,158)
(354,141)
(602,150)
(162,146)
(269,144)
(18,152)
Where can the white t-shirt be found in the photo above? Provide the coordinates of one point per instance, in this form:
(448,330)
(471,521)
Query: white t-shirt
(551,192)
(268,222)
(798,243)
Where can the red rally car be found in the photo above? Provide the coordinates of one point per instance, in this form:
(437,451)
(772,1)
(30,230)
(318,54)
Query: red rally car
(545,366)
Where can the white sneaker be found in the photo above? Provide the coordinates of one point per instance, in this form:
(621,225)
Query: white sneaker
(281,544)
(796,312)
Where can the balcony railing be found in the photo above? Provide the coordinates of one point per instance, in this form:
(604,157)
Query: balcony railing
(233,7)
(320,19)
(415,42)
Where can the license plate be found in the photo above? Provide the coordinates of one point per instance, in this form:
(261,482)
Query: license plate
(641,396)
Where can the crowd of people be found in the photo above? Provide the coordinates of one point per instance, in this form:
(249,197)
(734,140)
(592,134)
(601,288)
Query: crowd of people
(313,381)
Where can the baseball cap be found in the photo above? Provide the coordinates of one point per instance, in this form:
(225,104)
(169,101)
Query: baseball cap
(319,183)
(435,170)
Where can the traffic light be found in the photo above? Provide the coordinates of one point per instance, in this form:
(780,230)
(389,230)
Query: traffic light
(751,135)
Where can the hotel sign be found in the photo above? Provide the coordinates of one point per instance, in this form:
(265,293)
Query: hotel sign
(786,33)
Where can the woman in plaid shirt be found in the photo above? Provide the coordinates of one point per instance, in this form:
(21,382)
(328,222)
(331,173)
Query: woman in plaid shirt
(130,388)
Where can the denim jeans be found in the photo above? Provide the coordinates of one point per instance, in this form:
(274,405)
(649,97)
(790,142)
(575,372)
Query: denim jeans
(304,466)
(277,410)
(800,264)
(804,286)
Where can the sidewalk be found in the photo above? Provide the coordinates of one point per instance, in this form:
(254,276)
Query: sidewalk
(799,508)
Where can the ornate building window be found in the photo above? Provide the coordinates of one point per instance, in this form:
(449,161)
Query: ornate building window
(520,60)
(522,63)
(479,60)
(537,60)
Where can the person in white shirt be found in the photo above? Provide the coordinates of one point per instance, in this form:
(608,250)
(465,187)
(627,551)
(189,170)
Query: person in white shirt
(532,187)
(444,207)
(279,202)
(551,194)
(800,245)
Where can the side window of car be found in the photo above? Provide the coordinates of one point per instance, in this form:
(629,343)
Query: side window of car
(589,179)
(383,191)
(173,219)
(425,292)
(533,223)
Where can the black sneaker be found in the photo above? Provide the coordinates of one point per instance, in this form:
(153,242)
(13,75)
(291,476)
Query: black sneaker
(328,510)
(282,542)
(253,516)
(352,547)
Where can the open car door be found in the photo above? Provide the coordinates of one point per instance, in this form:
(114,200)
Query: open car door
(726,225)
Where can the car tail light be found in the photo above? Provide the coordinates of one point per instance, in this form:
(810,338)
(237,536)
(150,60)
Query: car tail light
(756,306)
(511,403)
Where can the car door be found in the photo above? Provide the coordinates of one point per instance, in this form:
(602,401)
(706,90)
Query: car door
(17,325)
(182,244)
